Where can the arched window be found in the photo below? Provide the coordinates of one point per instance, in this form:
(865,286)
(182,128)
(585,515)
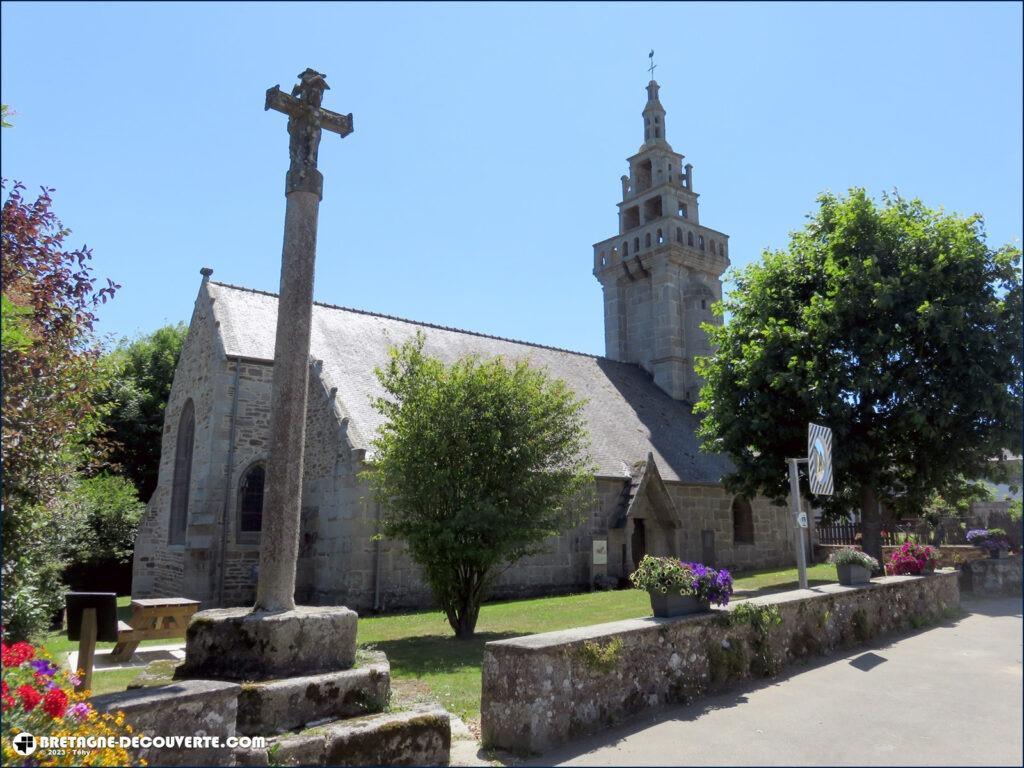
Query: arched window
(742,521)
(700,240)
(660,238)
(689,239)
(712,246)
(636,244)
(250,504)
(182,480)
(679,234)
(625,248)
(647,240)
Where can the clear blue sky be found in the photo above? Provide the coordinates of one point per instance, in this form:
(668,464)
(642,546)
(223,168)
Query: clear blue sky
(489,138)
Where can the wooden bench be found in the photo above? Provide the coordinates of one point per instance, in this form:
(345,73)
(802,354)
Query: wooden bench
(152,619)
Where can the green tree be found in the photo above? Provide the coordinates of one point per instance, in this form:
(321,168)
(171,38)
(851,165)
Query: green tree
(101,517)
(142,371)
(893,324)
(477,465)
(49,375)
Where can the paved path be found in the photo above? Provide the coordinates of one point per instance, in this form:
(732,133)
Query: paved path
(950,695)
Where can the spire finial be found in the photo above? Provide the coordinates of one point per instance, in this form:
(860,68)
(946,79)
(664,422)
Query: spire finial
(653,65)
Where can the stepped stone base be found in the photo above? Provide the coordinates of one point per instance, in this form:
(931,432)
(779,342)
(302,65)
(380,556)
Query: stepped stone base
(239,644)
(416,737)
(276,706)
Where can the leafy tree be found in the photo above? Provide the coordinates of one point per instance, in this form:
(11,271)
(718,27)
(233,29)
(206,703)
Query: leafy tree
(477,465)
(893,324)
(49,374)
(136,393)
(101,516)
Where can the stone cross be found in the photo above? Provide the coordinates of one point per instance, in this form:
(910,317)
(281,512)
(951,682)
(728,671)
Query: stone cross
(275,589)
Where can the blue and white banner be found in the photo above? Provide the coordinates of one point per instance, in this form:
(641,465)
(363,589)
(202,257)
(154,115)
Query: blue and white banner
(819,459)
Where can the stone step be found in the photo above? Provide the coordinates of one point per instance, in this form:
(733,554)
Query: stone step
(270,707)
(413,737)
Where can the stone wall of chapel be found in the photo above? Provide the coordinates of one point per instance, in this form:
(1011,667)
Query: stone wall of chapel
(159,568)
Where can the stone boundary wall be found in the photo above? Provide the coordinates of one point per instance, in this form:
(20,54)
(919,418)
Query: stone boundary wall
(543,690)
(992,576)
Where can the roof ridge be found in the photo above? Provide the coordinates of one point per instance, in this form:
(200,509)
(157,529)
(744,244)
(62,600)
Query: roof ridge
(423,323)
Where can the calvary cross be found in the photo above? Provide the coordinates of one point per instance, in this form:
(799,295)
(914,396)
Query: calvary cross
(306,118)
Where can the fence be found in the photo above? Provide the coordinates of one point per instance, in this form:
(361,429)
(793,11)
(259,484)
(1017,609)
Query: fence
(951,530)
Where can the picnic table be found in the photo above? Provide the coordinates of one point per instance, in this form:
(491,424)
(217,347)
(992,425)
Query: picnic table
(152,619)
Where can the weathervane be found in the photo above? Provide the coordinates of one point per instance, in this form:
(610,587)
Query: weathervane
(653,65)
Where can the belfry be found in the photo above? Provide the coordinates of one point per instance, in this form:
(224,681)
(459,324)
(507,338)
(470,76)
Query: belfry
(662,272)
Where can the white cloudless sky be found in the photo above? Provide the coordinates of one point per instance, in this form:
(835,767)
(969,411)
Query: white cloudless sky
(489,138)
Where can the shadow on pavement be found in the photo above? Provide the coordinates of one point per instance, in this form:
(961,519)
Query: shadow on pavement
(993,606)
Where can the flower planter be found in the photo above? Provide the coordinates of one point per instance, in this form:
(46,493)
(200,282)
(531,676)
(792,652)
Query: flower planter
(666,606)
(851,574)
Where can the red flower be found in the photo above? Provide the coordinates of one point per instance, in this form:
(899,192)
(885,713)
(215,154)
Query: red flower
(30,697)
(17,654)
(3,688)
(55,703)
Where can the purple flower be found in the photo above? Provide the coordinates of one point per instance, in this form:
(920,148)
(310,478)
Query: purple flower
(79,711)
(44,667)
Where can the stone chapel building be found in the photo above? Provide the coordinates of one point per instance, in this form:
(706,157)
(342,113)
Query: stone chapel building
(657,492)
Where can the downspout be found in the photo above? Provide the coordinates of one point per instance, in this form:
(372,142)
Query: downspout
(227,487)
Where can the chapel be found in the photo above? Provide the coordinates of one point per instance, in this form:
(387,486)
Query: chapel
(656,491)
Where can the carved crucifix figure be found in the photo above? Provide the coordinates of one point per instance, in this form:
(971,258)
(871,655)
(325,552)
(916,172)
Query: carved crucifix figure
(282,504)
(306,120)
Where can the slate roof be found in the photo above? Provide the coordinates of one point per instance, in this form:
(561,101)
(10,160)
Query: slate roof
(627,414)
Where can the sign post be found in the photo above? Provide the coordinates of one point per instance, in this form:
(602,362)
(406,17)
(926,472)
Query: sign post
(819,473)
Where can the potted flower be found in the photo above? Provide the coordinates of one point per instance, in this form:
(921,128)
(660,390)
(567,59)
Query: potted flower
(911,559)
(853,566)
(993,540)
(677,588)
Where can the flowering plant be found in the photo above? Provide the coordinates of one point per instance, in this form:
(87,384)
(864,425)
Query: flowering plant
(668,575)
(911,559)
(853,556)
(992,540)
(39,698)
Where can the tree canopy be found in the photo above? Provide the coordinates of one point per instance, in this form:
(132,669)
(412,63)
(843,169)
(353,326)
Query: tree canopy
(478,463)
(136,393)
(50,372)
(893,324)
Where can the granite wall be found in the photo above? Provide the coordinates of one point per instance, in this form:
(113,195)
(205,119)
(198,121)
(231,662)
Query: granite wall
(543,690)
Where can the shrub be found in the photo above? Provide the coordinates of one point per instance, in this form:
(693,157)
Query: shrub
(668,575)
(39,698)
(910,559)
(853,556)
(103,514)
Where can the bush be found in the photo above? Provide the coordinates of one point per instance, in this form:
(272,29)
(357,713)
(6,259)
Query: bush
(853,556)
(668,575)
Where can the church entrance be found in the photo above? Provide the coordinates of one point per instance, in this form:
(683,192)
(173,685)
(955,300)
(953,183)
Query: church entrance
(639,541)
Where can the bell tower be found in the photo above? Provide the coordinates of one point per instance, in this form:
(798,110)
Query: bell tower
(662,271)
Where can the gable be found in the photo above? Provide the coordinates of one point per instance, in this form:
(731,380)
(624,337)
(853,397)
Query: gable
(627,415)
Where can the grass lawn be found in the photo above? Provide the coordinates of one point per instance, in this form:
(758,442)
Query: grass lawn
(427,662)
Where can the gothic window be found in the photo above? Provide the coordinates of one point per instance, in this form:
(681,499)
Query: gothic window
(182,480)
(712,246)
(661,239)
(682,211)
(647,240)
(700,240)
(250,504)
(679,234)
(689,239)
(625,248)
(742,521)
(657,133)
(636,244)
